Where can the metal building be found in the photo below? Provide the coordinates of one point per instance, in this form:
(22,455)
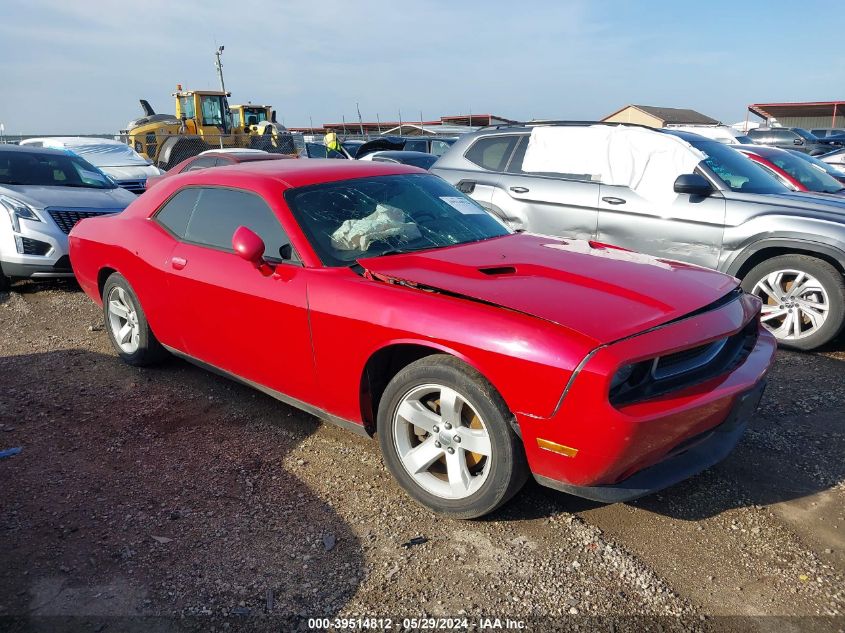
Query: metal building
(808,115)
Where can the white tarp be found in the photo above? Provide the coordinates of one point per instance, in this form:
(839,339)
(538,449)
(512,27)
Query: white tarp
(646,161)
(385,222)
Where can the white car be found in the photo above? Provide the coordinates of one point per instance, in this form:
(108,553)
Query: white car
(117,160)
(721,133)
(835,159)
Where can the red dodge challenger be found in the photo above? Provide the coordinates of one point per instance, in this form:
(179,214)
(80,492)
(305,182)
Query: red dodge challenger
(378,297)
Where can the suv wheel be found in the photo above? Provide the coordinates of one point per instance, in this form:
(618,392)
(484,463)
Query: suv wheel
(803,299)
(127,325)
(445,436)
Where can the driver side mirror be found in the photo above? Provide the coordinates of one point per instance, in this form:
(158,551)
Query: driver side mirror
(693,184)
(798,141)
(250,247)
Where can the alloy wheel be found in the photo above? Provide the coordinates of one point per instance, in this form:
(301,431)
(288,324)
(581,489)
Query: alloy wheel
(123,320)
(441,441)
(795,304)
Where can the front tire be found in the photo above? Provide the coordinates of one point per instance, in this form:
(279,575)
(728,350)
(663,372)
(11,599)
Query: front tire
(126,323)
(445,436)
(803,299)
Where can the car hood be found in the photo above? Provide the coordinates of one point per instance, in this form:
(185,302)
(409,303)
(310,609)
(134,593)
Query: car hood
(130,172)
(380,144)
(798,203)
(70,197)
(599,291)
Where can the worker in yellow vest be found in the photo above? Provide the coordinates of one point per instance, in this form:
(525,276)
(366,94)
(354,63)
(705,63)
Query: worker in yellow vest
(331,141)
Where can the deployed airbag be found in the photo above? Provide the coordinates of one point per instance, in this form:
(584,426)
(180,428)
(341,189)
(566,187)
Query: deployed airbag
(646,161)
(384,223)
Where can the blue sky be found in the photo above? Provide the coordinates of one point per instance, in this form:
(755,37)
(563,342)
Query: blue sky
(69,66)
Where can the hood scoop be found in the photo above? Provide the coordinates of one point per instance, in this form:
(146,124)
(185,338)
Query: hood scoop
(495,271)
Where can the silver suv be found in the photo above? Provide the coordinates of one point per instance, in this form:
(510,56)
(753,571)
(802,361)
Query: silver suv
(729,214)
(43,193)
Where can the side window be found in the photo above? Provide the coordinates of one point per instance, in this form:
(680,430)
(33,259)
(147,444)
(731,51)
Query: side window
(438,148)
(176,212)
(219,212)
(416,146)
(201,163)
(491,152)
(784,136)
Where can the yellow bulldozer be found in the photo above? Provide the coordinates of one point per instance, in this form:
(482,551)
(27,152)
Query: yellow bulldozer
(204,120)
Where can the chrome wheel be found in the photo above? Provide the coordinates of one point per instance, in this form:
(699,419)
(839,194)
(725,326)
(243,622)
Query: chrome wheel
(795,304)
(441,441)
(123,320)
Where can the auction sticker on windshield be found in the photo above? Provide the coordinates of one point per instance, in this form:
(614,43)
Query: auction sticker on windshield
(462,204)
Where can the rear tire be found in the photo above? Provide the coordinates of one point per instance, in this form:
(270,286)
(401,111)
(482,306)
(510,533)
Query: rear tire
(463,460)
(803,299)
(126,323)
(5,283)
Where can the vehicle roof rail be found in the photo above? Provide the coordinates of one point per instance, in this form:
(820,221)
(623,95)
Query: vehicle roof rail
(561,123)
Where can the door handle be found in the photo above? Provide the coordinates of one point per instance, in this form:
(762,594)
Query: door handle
(178,262)
(519,189)
(612,200)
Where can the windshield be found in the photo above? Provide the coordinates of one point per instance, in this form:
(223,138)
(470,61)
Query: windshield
(254,115)
(50,170)
(745,140)
(738,172)
(212,110)
(109,154)
(805,134)
(809,171)
(367,217)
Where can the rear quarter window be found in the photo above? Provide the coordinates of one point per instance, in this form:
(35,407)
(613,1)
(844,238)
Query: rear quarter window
(176,212)
(492,153)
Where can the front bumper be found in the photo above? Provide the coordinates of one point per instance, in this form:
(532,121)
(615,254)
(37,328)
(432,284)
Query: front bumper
(54,262)
(589,445)
(693,456)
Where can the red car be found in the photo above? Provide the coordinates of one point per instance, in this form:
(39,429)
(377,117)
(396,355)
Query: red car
(379,297)
(216,158)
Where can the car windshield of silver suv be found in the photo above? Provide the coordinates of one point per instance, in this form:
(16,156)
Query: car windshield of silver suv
(51,170)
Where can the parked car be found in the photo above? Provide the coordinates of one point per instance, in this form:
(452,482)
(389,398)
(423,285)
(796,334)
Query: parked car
(473,352)
(313,149)
(217,158)
(723,212)
(823,132)
(790,138)
(794,171)
(722,133)
(417,159)
(117,160)
(436,145)
(835,159)
(43,193)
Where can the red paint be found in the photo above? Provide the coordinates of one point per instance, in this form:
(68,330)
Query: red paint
(523,310)
(224,160)
(786,177)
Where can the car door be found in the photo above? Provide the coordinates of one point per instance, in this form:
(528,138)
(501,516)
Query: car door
(564,205)
(489,156)
(687,228)
(231,316)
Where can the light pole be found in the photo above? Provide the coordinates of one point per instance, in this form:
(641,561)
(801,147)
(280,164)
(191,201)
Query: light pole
(219,65)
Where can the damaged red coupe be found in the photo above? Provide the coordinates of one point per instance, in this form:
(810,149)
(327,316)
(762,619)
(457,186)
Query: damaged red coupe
(378,297)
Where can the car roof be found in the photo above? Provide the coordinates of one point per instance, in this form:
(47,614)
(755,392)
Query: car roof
(29,149)
(77,141)
(401,153)
(232,150)
(243,157)
(761,150)
(294,173)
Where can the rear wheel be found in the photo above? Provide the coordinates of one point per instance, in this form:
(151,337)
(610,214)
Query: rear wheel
(445,436)
(5,282)
(126,323)
(803,299)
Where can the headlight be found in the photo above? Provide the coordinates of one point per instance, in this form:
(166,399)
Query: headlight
(17,210)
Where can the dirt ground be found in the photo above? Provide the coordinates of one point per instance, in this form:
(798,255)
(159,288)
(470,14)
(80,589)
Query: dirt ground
(173,499)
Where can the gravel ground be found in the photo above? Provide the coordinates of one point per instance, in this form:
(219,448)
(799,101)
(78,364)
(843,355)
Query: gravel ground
(175,494)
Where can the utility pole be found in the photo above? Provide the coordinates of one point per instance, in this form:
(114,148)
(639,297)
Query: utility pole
(219,65)
(400,122)
(360,122)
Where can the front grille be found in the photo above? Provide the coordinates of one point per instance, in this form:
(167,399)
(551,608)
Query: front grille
(683,369)
(34,247)
(66,219)
(135,186)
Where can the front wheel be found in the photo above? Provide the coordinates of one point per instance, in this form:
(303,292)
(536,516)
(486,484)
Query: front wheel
(127,325)
(445,436)
(803,299)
